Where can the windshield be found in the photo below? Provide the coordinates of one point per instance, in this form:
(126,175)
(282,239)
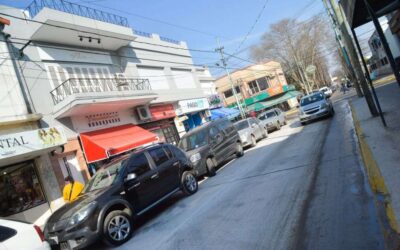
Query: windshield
(311,99)
(267,115)
(242,125)
(104,177)
(194,140)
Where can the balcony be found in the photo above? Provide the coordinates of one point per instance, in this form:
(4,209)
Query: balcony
(77,96)
(73,24)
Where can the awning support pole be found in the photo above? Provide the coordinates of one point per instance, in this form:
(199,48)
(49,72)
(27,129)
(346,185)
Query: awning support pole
(378,105)
(383,41)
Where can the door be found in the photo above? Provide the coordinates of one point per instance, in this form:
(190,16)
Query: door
(230,135)
(168,169)
(217,143)
(255,128)
(142,191)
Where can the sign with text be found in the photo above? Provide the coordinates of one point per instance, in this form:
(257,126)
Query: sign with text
(215,101)
(28,141)
(193,105)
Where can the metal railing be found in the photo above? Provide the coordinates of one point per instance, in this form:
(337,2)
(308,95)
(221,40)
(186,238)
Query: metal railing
(37,5)
(97,85)
(166,39)
(142,33)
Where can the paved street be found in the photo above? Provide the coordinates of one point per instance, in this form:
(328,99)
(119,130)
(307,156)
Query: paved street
(302,188)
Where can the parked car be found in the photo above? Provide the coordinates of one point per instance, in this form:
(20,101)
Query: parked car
(273,119)
(210,144)
(315,106)
(251,130)
(119,192)
(21,235)
(327,91)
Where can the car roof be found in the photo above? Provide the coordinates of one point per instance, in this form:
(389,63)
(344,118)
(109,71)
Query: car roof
(312,94)
(203,126)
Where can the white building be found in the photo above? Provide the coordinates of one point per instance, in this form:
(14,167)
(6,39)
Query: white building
(110,88)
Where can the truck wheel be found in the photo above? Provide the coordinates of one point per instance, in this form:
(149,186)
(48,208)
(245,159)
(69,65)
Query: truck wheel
(210,167)
(239,149)
(278,125)
(117,228)
(253,141)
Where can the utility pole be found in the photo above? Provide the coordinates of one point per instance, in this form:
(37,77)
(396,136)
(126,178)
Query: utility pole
(223,60)
(344,36)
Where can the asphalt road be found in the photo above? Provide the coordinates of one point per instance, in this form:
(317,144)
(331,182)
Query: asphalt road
(302,188)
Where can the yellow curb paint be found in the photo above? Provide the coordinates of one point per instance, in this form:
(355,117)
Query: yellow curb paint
(374,175)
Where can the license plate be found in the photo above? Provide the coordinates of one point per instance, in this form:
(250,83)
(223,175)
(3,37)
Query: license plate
(54,238)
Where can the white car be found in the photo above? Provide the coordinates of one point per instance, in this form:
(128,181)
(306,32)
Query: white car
(327,91)
(17,235)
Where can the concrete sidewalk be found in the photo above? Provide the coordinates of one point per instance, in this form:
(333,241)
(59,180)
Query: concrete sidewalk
(380,148)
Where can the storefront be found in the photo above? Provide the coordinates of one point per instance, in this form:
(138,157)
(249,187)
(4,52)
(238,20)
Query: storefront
(28,188)
(162,123)
(191,113)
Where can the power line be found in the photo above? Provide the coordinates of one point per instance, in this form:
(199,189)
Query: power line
(153,19)
(108,36)
(253,26)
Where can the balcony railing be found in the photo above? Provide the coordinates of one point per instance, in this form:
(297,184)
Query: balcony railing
(97,85)
(37,5)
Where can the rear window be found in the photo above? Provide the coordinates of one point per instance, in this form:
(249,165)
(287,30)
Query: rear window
(242,125)
(159,155)
(311,99)
(6,233)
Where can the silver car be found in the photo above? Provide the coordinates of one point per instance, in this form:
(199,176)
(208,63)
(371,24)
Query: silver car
(315,106)
(272,119)
(250,131)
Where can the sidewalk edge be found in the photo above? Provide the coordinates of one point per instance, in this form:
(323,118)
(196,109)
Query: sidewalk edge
(375,177)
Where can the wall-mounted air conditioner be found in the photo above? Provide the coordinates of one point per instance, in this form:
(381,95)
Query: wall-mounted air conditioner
(143,113)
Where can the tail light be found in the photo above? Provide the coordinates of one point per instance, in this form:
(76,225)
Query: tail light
(39,232)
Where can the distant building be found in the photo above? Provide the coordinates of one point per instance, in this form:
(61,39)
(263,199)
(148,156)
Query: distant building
(379,63)
(258,87)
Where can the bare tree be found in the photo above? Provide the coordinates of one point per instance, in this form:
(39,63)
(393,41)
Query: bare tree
(296,45)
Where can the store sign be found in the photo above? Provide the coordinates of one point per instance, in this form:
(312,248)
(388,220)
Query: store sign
(28,141)
(160,112)
(215,101)
(193,105)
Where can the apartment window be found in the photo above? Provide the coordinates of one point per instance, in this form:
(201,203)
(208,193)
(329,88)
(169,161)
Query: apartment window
(229,92)
(253,87)
(262,83)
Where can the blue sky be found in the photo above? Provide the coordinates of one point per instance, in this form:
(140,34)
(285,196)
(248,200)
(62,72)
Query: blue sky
(227,20)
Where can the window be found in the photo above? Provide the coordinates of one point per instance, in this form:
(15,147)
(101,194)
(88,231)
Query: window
(168,151)
(213,132)
(225,125)
(193,141)
(253,121)
(19,189)
(159,156)
(262,83)
(139,164)
(229,92)
(253,87)
(6,233)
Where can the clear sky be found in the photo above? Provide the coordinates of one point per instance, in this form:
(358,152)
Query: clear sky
(229,21)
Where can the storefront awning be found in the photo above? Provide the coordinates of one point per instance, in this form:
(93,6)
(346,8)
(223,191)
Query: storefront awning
(101,144)
(273,101)
(218,113)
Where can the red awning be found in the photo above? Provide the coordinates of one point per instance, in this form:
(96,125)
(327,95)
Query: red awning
(103,143)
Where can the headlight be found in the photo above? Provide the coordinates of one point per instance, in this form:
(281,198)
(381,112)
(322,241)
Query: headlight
(324,106)
(195,158)
(82,214)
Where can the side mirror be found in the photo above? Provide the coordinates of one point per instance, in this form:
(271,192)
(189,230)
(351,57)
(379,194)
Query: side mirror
(130,177)
(253,125)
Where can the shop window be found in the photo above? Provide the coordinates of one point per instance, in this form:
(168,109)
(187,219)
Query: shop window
(20,189)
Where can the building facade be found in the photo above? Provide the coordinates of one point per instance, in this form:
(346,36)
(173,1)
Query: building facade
(106,87)
(379,63)
(257,87)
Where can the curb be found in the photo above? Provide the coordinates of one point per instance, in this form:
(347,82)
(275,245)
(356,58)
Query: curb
(375,179)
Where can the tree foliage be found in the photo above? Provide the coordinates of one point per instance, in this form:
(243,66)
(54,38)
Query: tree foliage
(296,45)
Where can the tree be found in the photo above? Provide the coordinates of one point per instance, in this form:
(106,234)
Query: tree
(296,45)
